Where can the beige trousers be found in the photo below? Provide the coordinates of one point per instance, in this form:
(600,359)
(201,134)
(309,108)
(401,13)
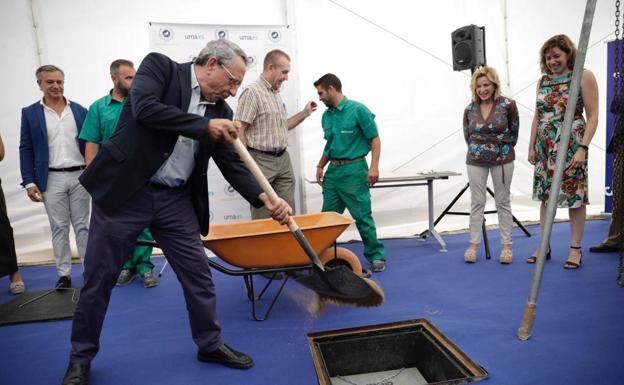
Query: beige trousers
(279,172)
(477,177)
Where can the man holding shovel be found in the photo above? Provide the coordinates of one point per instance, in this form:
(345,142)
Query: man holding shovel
(155,165)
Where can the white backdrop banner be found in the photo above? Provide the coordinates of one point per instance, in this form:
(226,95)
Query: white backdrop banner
(182,42)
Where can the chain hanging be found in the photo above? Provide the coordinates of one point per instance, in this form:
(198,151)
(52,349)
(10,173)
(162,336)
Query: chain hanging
(617,107)
(618,54)
(617,104)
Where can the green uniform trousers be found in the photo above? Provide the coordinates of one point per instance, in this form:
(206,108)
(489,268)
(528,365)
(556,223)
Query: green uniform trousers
(139,259)
(346,186)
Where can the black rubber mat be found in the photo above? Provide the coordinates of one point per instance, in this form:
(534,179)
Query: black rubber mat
(51,305)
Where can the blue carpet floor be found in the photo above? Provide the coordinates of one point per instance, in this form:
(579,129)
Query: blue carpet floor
(577,337)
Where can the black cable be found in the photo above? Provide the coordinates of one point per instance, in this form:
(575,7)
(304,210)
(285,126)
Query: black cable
(394,34)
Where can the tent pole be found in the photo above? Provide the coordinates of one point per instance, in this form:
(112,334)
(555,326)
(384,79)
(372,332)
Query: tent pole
(528,318)
(35,30)
(297,158)
(506,36)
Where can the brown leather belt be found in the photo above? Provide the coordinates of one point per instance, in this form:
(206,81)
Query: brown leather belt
(342,162)
(275,153)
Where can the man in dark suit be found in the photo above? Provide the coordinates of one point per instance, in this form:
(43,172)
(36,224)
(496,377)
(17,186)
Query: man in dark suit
(153,173)
(51,160)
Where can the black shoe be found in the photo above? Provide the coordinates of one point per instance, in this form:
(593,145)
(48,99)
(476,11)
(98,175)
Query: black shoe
(77,374)
(226,356)
(602,248)
(64,282)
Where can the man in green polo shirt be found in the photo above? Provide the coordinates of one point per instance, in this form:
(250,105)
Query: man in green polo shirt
(351,133)
(99,126)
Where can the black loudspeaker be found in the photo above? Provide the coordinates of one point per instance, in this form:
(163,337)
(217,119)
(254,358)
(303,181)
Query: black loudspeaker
(468,47)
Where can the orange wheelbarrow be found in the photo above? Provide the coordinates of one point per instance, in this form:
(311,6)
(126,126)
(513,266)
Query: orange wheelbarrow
(265,247)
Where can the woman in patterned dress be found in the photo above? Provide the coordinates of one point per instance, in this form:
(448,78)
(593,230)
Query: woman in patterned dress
(491,132)
(557,57)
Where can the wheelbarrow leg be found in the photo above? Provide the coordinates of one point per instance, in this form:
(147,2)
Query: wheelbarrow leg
(253,298)
(248,278)
(249,287)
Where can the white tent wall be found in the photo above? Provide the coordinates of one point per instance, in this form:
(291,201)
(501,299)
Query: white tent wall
(394,56)
(405,79)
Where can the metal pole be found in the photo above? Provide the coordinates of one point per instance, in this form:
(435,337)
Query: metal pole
(506,24)
(528,318)
(34,12)
(290,22)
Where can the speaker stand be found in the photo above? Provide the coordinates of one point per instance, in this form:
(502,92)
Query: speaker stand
(486,243)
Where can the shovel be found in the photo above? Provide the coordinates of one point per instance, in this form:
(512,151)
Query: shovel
(337,284)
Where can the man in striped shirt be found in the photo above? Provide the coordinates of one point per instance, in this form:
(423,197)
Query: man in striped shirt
(263,127)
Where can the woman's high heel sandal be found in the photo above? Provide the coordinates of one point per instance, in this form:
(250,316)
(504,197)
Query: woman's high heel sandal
(17,287)
(506,256)
(571,265)
(533,258)
(470,256)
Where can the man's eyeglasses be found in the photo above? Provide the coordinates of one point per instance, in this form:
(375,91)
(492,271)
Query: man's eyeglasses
(234,81)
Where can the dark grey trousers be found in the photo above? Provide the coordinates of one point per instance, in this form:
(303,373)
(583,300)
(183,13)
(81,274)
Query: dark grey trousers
(170,216)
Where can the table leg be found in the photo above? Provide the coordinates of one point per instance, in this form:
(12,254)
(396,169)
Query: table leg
(431,229)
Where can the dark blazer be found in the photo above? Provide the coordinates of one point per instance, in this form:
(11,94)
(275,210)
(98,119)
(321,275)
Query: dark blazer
(152,118)
(34,149)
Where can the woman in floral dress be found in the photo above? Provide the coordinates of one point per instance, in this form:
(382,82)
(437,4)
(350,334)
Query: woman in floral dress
(557,57)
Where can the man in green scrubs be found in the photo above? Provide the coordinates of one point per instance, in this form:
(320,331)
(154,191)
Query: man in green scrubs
(351,133)
(99,126)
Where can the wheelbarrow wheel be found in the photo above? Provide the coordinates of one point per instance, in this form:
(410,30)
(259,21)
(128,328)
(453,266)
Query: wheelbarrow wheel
(341,256)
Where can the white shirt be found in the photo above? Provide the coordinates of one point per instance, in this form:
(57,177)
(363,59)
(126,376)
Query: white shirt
(179,166)
(63,147)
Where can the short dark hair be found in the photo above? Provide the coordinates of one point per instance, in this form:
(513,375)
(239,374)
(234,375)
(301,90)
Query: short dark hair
(271,57)
(47,68)
(563,43)
(329,80)
(114,67)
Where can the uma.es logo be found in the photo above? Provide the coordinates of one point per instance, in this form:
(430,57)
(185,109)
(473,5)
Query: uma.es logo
(221,33)
(166,34)
(229,190)
(251,61)
(194,36)
(275,36)
(232,217)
